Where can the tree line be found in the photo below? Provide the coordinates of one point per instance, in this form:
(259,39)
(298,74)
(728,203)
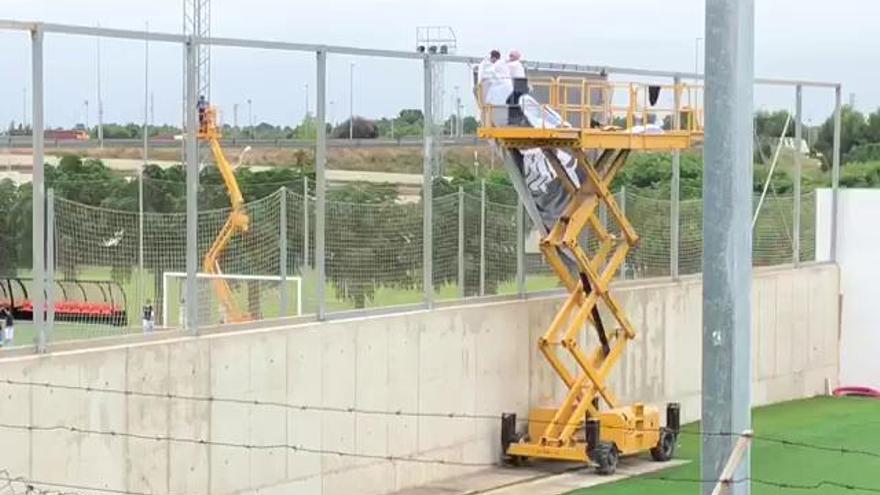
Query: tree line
(407,123)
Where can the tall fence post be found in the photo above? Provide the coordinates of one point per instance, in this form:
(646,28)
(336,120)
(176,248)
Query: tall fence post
(305,222)
(192,189)
(835,171)
(49,328)
(461,279)
(427,185)
(520,248)
(141,281)
(38,184)
(283,291)
(675,189)
(320,184)
(796,227)
(622,273)
(483,237)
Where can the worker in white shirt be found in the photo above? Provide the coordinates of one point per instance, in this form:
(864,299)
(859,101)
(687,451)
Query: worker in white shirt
(493,82)
(485,71)
(520,87)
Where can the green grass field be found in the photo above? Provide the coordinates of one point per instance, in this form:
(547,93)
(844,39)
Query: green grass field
(853,423)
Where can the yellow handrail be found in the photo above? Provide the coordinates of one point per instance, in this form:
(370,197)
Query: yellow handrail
(602,101)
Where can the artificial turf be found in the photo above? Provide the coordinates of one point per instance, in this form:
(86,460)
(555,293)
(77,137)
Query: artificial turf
(851,423)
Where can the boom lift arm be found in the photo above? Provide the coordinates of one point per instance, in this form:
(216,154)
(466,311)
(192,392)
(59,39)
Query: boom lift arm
(237,222)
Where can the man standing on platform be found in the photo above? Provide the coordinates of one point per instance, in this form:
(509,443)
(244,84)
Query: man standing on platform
(520,87)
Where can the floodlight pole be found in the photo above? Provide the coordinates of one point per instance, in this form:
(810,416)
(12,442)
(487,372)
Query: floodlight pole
(727,235)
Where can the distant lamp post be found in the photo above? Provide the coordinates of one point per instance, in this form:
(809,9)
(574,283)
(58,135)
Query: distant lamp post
(351,101)
(307,101)
(251,118)
(332,115)
(697,42)
(235,119)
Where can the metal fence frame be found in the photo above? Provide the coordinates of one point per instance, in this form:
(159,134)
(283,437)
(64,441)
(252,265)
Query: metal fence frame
(37,31)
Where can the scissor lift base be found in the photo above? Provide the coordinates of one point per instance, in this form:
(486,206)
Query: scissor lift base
(632,429)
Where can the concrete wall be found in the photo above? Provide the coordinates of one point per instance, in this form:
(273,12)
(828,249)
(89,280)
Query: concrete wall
(477,358)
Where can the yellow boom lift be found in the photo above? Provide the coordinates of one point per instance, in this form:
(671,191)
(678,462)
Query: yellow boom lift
(237,221)
(573,127)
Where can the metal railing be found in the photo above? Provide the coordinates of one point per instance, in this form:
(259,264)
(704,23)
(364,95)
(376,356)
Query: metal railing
(38,31)
(601,105)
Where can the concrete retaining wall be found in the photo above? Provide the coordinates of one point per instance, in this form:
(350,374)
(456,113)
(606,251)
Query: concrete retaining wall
(477,358)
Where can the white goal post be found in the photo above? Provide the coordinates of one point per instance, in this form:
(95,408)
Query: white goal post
(169,278)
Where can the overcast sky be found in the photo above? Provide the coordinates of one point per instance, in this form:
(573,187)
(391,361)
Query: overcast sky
(804,39)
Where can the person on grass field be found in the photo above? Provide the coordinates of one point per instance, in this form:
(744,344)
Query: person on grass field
(149,317)
(8,335)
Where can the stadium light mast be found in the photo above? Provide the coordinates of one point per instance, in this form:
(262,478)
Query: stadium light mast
(437,40)
(197,67)
(197,23)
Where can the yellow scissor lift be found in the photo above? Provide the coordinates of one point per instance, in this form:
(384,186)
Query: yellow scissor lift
(580,429)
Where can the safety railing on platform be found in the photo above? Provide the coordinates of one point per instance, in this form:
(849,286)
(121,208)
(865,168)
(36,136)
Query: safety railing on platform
(591,104)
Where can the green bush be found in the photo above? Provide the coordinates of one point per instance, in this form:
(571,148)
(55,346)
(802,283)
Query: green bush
(862,153)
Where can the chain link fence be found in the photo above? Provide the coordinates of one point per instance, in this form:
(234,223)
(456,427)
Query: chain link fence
(105,272)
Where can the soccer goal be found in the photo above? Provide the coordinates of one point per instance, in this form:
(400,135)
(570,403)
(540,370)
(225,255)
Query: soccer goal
(258,296)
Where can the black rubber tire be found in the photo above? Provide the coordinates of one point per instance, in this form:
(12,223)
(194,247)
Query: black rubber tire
(515,460)
(606,455)
(665,448)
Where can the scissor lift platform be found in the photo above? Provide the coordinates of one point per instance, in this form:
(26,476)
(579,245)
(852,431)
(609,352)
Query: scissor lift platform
(588,139)
(591,425)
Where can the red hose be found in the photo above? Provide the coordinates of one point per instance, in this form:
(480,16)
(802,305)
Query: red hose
(857,392)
